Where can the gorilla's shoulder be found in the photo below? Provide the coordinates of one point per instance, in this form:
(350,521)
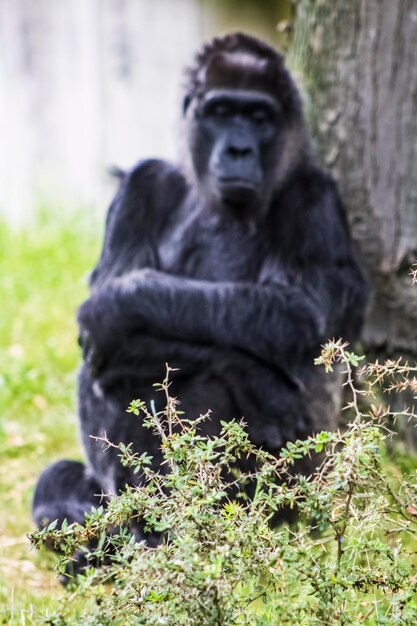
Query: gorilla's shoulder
(147,193)
(153,167)
(156,178)
(308,185)
(318,217)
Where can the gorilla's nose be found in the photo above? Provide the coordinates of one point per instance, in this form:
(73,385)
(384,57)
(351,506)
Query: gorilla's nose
(239,152)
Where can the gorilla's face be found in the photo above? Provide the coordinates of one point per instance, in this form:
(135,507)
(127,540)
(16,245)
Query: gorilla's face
(244,128)
(234,144)
(239,131)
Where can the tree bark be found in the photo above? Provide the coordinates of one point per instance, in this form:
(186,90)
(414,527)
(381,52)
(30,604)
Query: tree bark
(357,61)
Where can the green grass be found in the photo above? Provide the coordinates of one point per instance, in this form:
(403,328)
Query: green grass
(43,278)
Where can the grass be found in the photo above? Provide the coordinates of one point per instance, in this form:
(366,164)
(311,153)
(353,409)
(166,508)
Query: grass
(43,277)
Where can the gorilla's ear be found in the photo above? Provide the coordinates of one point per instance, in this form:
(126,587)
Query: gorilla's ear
(186,103)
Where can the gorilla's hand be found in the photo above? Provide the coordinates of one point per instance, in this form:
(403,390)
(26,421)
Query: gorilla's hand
(97,336)
(90,354)
(108,320)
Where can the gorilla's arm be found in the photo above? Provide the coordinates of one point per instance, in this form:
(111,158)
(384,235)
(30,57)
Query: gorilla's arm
(269,321)
(272,320)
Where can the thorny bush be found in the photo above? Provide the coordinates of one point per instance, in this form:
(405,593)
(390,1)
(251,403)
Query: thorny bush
(350,558)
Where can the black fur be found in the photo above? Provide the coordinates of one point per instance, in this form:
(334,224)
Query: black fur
(234,270)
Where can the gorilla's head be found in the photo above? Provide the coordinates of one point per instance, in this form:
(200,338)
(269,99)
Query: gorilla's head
(244,123)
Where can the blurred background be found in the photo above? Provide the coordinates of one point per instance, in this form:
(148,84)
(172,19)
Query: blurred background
(85,84)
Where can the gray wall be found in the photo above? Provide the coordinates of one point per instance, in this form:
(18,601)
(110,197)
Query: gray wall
(89,83)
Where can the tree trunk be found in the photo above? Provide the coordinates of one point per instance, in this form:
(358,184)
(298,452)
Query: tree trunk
(358,63)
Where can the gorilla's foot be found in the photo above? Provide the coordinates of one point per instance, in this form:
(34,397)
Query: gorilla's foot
(64,491)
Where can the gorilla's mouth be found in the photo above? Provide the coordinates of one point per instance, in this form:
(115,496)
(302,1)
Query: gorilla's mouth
(238,191)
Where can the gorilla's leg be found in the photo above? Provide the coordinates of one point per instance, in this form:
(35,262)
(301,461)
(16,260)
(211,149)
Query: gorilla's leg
(102,408)
(64,491)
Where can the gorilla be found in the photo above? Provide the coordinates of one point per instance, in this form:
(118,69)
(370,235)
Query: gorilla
(233,267)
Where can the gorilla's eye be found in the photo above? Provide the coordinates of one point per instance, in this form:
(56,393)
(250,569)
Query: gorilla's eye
(261,115)
(219,109)
(222,110)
